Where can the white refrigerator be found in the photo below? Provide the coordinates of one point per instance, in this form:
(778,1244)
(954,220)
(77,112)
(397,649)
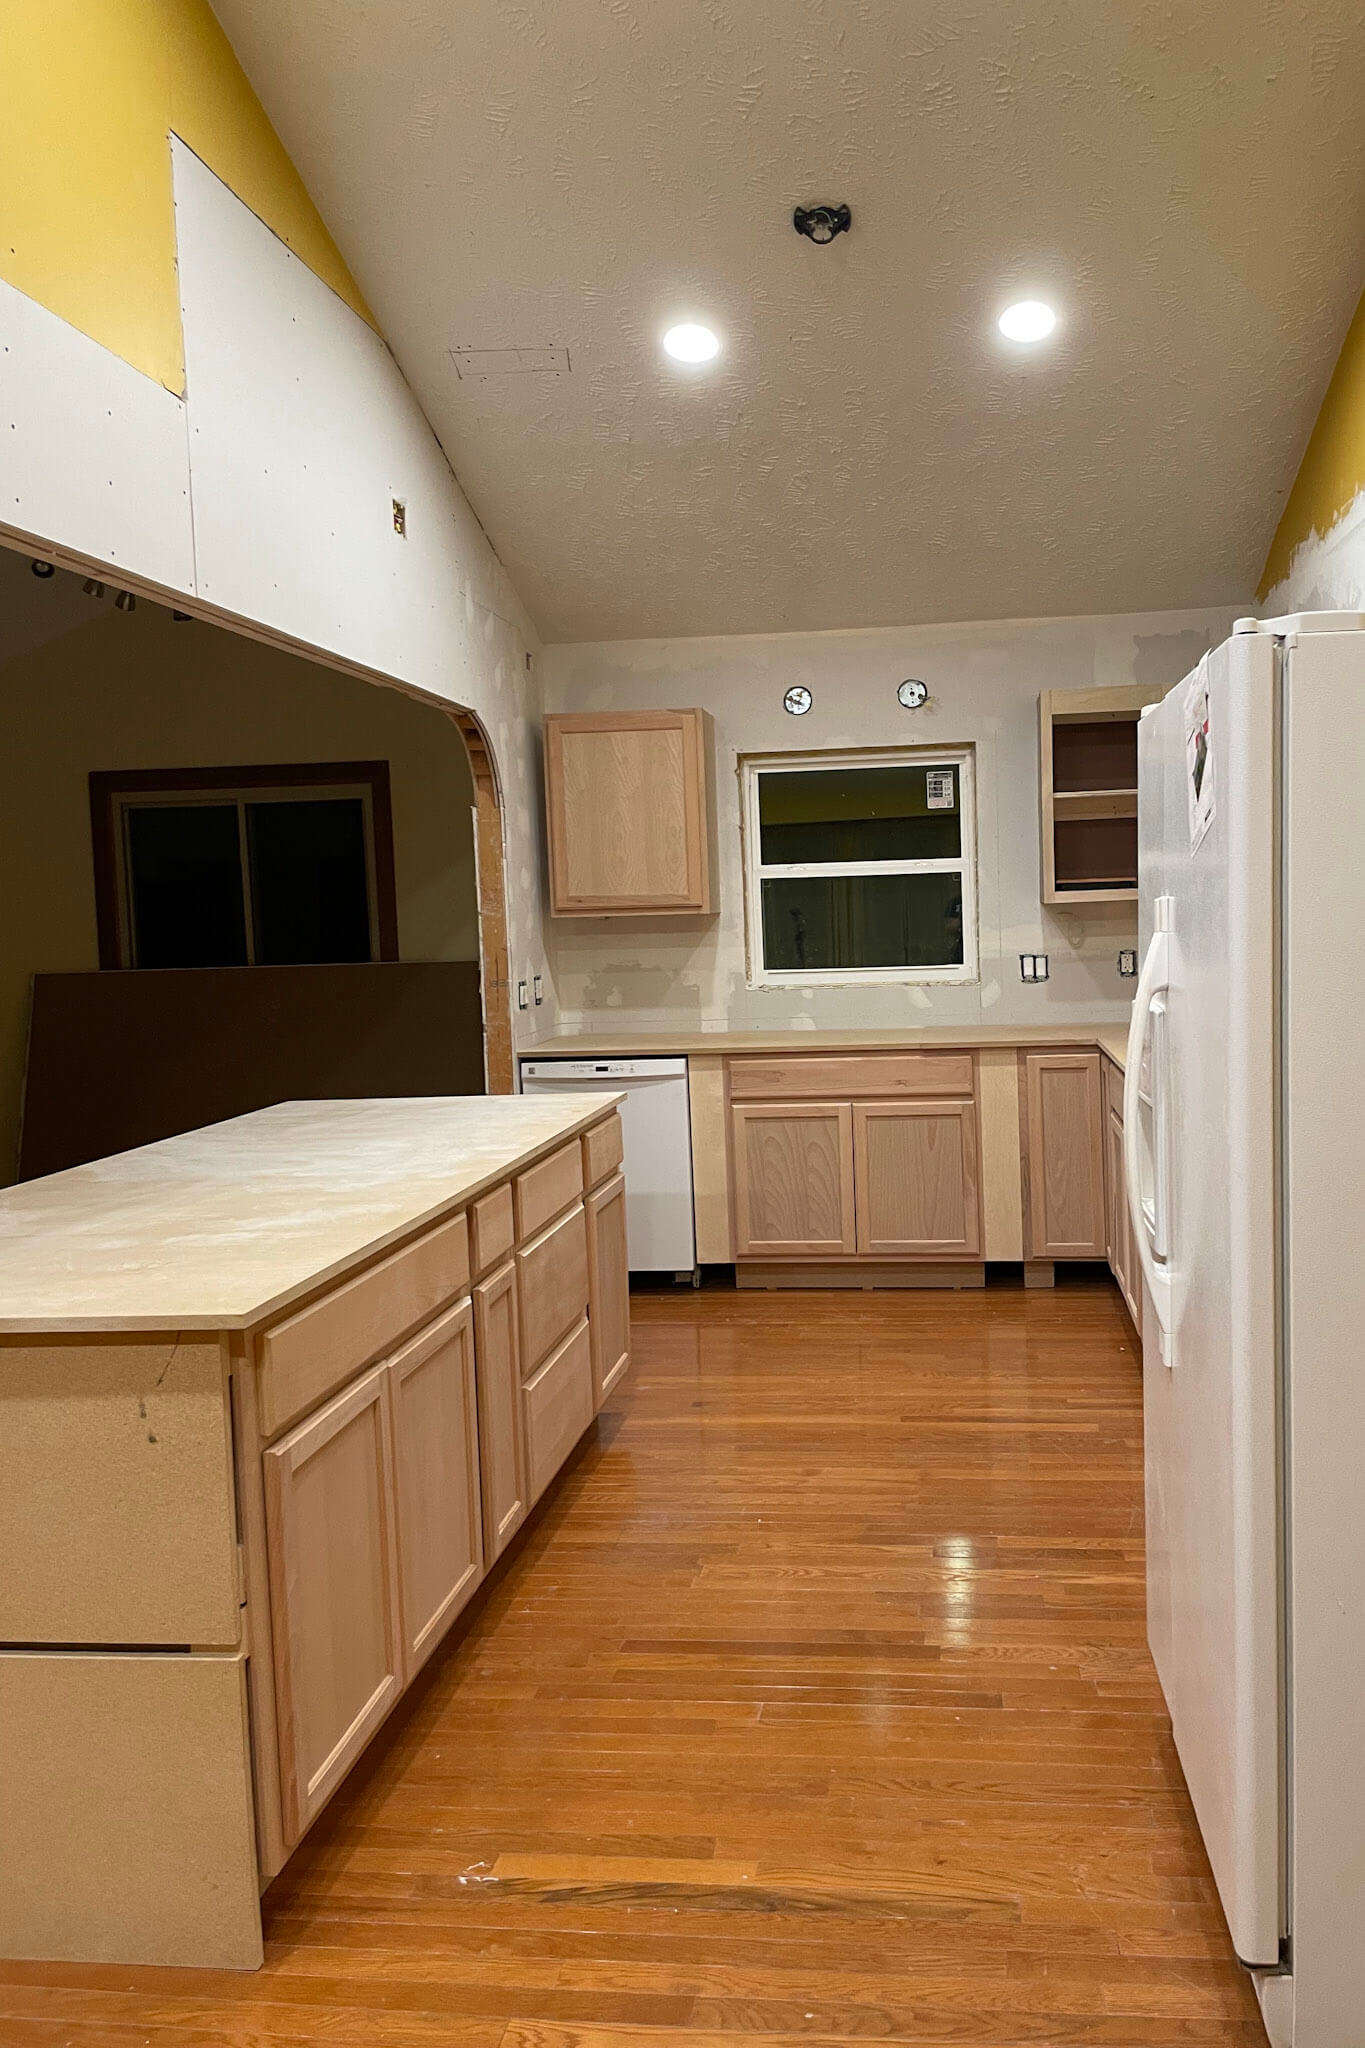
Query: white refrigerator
(1245,1135)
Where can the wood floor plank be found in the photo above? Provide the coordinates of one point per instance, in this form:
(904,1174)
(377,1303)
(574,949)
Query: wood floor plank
(814,1706)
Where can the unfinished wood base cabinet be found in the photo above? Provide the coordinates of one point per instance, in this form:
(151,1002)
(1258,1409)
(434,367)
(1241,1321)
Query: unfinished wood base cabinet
(1120,1243)
(289,1509)
(886,1176)
(1063,1145)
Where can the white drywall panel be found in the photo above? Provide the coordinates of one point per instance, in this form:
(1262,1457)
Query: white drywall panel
(302,432)
(92,453)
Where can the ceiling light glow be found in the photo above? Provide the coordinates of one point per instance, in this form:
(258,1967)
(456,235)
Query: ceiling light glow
(690,343)
(1028,320)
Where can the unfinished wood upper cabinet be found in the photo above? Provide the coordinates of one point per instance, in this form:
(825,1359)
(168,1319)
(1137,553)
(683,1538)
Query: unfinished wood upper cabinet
(1088,764)
(627,798)
(793,1179)
(608,1286)
(916,1179)
(1064,1155)
(502,1444)
(436,1480)
(333,1591)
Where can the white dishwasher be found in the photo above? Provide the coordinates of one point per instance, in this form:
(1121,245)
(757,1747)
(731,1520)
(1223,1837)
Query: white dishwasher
(656,1128)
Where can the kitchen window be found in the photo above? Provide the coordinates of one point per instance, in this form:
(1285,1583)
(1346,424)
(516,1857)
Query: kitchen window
(860,867)
(244,867)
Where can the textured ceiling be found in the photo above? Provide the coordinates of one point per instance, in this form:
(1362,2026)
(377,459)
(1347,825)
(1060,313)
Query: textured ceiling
(1186,182)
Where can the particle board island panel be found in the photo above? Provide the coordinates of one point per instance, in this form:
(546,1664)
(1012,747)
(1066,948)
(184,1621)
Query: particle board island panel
(263,1431)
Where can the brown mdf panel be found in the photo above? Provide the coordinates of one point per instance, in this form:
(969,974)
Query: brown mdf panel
(794,1077)
(608,1286)
(322,1345)
(117,1522)
(1094,754)
(436,1481)
(333,1592)
(502,1445)
(916,1179)
(552,1286)
(1096,853)
(793,1174)
(1064,1155)
(125,1812)
(626,803)
(547,1188)
(603,1150)
(121,1059)
(492,1231)
(558,1408)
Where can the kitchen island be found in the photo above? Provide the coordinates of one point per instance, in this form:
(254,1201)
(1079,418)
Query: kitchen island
(276,1396)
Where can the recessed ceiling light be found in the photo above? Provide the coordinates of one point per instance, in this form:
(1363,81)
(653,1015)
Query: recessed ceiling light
(691,344)
(1027,320)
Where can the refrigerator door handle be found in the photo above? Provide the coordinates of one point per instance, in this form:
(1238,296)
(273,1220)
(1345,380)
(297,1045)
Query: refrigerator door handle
(1145,1167)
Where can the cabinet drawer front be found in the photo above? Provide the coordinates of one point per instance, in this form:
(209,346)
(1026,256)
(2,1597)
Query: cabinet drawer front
(885,1075)
(1113,1087)
(603,1150)
(559,1408)
(543,1190)
(319,1347)
(552,1286)
(492,1232)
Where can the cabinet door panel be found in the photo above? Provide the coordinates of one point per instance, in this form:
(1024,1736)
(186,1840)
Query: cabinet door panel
(502,1448)
(917,1185)
(793,1176)
(436,1481)
(1065,1155)
(558,1406)
(608,1287)
(626,802)
(333,1591)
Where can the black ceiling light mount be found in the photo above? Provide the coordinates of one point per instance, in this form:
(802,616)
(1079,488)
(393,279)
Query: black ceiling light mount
(822,223)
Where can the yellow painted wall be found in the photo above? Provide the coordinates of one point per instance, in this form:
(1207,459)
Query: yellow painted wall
(92,91)
(1332,473)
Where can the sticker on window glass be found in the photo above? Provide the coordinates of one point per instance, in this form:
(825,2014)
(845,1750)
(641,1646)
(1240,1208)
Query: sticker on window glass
(1199,776)
(939,784)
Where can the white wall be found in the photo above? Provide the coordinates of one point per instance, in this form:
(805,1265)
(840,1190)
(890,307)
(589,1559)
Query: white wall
(984,682)
(140,691)
(1327,571)
(266,495)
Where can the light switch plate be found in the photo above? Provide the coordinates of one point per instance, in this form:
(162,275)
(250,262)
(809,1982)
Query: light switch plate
(521,995)
(537,990)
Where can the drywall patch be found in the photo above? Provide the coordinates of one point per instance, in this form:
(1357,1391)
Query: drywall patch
(1160,660)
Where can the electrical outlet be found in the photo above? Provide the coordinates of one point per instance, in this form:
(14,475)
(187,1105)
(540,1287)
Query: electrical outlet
(1128,963)
(537,990)
(521,995)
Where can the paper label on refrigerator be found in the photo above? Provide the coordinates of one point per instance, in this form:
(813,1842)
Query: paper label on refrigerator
(1199,767)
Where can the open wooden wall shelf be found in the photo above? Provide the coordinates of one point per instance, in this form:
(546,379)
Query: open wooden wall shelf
(1088,762)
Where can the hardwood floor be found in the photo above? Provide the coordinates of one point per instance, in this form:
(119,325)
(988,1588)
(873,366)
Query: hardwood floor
(814,1707)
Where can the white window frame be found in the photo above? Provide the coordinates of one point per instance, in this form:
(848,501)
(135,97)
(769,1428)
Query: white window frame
(752,766)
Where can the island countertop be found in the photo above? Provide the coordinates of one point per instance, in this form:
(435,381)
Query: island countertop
(225,1226)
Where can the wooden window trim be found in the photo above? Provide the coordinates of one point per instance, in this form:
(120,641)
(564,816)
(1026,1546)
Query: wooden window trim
(108,786)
